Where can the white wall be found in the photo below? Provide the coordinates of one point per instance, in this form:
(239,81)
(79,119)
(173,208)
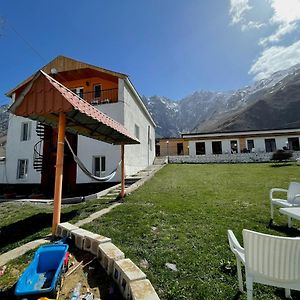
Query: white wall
(88,148)
(3,172)
(137,157)
(226,148)
(259,144)
(17,149)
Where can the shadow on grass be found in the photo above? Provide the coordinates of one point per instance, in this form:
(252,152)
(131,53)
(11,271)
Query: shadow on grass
(292,232)
(21,229)
(279,165)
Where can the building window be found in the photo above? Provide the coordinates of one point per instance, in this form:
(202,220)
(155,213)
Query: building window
(250,145)
(233,147)
(270,145)
(137,131)
(99,165)
(293,144)
(25,131)
(78,91)
(22,168)
(179,148)
(216,147)
(200,148)
(97,91)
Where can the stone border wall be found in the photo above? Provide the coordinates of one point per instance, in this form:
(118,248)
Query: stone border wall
(130,279)
(226,158)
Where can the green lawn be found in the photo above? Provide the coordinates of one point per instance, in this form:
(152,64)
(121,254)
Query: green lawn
(181,216)
(22,222)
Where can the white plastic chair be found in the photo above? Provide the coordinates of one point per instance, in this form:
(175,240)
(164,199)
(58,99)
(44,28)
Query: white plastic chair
(292,200)
(270,260)
(239,254)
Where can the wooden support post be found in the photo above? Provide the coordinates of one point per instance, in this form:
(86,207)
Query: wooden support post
(59,172)
(122,194)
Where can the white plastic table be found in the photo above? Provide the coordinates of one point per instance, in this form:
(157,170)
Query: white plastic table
(291,212)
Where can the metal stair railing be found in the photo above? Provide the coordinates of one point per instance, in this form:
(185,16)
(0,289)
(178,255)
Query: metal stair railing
(37,149)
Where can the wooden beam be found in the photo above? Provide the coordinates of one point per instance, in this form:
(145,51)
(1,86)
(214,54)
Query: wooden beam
(59,172)
(122,194)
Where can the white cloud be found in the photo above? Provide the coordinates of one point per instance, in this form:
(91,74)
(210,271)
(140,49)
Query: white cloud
(285,20)
(238,8)
(285,11)
(251,25)
(274,59)
(279,34)
(286,15)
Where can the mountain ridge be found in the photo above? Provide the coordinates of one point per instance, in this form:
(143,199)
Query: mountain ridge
(254,107)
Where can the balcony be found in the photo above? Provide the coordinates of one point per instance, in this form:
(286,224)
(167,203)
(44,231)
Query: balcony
(100,96)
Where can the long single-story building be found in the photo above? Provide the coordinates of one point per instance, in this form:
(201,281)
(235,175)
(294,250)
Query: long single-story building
(259,141)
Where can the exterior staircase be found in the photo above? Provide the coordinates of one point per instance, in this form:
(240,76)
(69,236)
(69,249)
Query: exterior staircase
(160,160)
(38,148)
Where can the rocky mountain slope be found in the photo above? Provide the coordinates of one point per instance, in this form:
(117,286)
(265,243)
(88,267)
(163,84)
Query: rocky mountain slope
(4,115)
(270,103)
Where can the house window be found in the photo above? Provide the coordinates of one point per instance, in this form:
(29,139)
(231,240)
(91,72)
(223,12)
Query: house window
(250,145)
(97,91)
(270,145)
(25,131)
(179,148)
(217,147)
(22,168)
(99,165)
(137,131)
(233,146)
(293,144)
(78,91)
(200,148)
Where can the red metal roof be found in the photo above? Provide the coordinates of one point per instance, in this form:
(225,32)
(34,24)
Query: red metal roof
(44,97)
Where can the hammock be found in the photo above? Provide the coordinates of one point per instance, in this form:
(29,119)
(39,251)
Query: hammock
(86,171)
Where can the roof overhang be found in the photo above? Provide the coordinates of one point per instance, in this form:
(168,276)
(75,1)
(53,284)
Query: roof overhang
(241,133)
(62,65)
(43,98)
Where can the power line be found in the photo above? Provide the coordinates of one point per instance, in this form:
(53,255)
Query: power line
(26,42)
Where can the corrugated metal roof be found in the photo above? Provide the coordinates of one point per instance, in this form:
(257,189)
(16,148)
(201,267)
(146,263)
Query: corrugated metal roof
(44,97)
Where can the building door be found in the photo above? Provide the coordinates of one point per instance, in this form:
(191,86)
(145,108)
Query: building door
(270,145)
(49,161)
(200,148)
(217,147)
(179,148)
(294,144)
(157,150)
(233,146)
(250,145)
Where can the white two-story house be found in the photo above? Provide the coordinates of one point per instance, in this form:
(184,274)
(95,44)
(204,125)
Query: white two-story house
(31,146)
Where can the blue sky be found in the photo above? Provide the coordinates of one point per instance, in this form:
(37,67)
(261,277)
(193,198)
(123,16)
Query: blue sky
(169,47)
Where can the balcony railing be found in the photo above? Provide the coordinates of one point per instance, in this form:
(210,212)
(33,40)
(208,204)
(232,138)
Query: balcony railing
(100,97)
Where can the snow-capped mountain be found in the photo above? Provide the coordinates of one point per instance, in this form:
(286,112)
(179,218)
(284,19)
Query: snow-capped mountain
(248,108)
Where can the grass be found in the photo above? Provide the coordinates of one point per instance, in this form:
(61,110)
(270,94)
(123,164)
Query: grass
(21,223)
(181,216)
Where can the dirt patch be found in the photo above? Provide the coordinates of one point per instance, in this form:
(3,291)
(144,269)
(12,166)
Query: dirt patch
(86,270)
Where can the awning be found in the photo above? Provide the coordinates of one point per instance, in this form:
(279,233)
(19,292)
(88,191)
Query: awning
(44,98)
